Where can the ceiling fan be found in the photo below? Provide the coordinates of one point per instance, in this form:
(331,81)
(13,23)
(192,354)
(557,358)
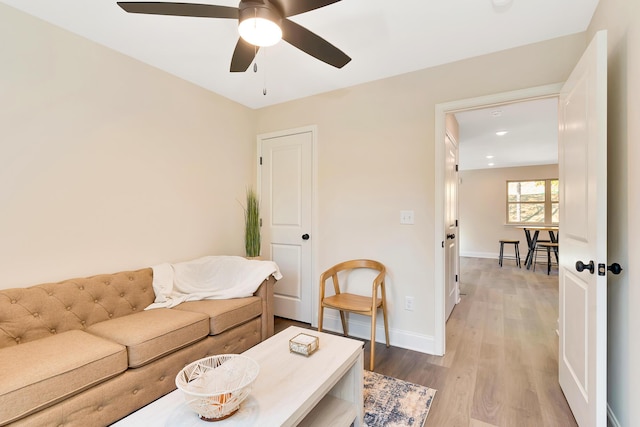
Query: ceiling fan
(260,23)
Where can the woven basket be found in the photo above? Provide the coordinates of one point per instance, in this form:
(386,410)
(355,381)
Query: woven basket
(215,386)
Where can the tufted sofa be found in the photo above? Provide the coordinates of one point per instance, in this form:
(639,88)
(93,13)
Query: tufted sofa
(85,352)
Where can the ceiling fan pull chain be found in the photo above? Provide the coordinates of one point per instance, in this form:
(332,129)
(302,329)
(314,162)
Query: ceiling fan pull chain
(264,72)
(255,64)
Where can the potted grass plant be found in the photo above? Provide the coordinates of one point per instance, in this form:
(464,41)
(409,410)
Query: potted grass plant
(252,225)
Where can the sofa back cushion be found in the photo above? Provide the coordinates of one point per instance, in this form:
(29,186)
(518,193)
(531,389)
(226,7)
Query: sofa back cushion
(28,314)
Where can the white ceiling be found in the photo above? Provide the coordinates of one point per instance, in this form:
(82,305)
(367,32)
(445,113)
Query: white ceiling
(384,38)
(531,138)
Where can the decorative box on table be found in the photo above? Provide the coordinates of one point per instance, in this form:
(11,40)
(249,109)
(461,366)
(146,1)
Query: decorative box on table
(304,344)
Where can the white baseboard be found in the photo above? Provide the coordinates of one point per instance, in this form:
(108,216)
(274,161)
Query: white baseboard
(397,337)
(492,255)
(613,421)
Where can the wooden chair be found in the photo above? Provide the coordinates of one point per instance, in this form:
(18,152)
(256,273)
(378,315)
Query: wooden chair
(348,302)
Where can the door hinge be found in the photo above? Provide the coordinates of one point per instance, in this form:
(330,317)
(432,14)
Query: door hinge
(443,243)
(456,168)
(260,160)
(456,222)
(456,278)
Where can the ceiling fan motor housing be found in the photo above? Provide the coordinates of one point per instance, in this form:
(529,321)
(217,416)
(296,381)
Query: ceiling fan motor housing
(260,9)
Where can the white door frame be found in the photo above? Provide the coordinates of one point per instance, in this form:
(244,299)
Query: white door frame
(313,129)
(439,232)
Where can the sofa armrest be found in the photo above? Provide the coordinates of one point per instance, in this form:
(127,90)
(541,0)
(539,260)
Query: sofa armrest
(265,292)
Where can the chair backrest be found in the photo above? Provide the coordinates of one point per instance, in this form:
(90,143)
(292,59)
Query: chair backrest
(352,265)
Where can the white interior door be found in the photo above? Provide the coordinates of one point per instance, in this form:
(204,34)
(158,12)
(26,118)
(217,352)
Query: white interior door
(583,236)
(452,294)
(286,197)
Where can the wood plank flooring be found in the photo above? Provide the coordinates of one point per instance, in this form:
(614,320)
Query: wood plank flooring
(501,362)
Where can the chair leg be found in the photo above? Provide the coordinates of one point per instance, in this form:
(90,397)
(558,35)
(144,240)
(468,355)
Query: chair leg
(501,253)
(386,324)
(344,324)
(372,360)
(548,260)
(517,254)
(320,317)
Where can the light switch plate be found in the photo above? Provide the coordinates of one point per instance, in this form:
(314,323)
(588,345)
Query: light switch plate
(406,217)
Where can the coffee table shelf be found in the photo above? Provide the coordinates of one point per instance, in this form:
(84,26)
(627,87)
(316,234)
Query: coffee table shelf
(331,411)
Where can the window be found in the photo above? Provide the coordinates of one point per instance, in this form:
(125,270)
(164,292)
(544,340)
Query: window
(533,202)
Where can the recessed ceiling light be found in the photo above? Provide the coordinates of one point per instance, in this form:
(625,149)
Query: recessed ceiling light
(491,164)
(489,157)
(502,132)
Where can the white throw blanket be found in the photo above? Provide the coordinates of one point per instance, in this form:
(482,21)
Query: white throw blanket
(211,277)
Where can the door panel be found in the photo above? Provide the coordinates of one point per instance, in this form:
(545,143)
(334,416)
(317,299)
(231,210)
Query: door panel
(583,236)
(451,227)
(286,195)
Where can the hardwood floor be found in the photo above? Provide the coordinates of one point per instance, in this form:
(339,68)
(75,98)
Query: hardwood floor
(501,362)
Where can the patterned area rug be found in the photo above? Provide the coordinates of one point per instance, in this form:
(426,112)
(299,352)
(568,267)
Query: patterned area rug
(391,402)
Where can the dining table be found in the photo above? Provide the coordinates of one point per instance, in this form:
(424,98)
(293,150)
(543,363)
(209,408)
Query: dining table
(532,233)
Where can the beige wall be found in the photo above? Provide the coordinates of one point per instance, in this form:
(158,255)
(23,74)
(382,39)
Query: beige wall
(376,157)
(108,164)
(621,19)
(482,201)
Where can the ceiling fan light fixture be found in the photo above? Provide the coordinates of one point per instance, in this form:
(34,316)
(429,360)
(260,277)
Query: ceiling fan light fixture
(259,26)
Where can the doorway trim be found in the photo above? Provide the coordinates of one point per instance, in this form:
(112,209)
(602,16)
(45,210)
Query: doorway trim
(552,90)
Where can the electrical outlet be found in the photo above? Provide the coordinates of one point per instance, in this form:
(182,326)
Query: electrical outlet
(408,303)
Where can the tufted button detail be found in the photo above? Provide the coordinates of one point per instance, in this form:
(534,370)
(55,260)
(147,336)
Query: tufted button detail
(107,282)
(134,308)
(135,391)
(68,308)
(82,288)
(18,339)
(83,322)
(50,294)
(13,301)
(99,408)
(162,378)
(95,301)
(52,330)
(226,347)
(110,315)
(36,314)
(122,294)
(131,278)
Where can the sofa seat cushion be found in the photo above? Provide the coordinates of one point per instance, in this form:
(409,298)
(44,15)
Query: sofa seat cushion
(54,368)
(151,334)
(225,314)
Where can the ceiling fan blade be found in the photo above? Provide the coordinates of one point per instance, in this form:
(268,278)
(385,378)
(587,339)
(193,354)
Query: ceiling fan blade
(313,44)
(296,7)
(243,56)
(180,9)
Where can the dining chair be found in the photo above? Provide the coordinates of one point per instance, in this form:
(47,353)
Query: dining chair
(366,305)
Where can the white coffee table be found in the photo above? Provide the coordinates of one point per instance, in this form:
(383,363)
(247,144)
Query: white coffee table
(324,389)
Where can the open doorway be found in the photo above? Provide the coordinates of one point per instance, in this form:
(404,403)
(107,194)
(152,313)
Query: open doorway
(488,102)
